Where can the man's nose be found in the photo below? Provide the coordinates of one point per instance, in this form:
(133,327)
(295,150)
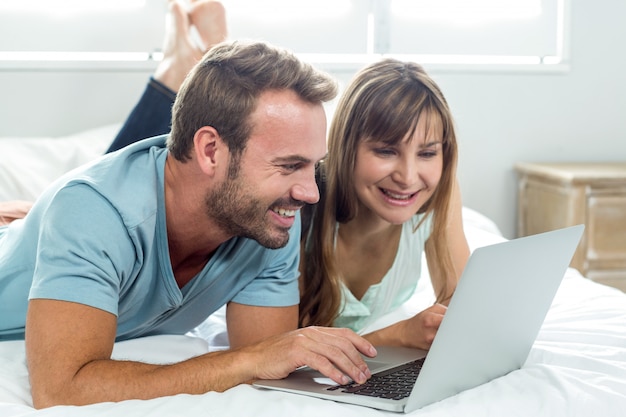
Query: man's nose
(306,191)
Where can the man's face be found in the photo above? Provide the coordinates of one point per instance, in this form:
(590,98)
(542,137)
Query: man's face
(276,176)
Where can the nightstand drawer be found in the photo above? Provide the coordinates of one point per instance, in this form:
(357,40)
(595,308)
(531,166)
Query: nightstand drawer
(551,196)
(606,221)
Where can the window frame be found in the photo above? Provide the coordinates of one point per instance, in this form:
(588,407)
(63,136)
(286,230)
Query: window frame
(378,47)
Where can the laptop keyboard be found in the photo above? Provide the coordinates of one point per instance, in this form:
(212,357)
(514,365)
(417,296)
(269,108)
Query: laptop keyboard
(395,383)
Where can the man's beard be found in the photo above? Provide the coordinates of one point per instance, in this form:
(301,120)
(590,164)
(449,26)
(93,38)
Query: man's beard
(239,213)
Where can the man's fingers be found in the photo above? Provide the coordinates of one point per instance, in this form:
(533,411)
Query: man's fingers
(13,210)
(337,353)
(344,338)
(330,369)
(334,352)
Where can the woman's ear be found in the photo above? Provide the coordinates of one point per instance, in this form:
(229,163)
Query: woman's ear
(208,149)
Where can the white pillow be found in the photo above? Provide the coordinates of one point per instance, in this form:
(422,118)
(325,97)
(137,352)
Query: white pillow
(29,165)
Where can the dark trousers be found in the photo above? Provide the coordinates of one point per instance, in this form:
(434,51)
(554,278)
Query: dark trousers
(152,116)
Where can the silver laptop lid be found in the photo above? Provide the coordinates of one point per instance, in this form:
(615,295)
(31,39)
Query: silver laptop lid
(495,314)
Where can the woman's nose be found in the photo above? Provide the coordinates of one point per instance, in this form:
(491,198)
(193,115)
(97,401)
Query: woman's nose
(405,173)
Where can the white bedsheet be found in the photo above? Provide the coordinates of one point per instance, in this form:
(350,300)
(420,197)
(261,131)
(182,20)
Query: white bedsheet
(577,366)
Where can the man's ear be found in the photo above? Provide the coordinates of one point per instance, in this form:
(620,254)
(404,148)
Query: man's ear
(209,149)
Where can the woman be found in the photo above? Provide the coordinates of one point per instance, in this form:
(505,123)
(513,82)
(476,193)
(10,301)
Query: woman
(389,192)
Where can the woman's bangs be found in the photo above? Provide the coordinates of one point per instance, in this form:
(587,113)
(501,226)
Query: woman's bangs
(434,124)
(391,119)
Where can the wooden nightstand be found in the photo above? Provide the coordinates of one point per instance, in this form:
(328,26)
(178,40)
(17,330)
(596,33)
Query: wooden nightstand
(555,195)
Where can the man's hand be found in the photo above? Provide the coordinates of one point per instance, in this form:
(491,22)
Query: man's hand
(13,210)
(334,352)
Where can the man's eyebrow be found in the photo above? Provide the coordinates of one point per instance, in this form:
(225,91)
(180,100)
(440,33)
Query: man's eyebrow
(290,159)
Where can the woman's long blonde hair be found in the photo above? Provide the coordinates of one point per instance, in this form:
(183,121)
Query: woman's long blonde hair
(383,102)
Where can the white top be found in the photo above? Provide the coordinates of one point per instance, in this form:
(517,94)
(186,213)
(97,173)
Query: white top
(396,287)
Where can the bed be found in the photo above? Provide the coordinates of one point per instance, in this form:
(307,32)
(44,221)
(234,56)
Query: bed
(577,366)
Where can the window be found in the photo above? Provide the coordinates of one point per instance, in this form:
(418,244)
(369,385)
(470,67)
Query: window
(45,32)
(451,34)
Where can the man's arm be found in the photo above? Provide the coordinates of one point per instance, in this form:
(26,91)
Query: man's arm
(69,345)
(251,324)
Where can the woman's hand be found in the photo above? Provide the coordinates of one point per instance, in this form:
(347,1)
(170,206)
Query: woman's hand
(416,332)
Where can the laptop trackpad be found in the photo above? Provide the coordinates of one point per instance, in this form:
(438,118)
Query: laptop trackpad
(377,366)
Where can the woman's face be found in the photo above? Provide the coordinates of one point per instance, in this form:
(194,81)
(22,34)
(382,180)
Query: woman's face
(392,182)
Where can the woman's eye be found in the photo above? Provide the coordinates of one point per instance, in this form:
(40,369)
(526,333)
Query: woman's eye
(428,154)
(384,151)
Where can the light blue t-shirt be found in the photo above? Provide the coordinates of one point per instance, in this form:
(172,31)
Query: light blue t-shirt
(98,237)
(396,287)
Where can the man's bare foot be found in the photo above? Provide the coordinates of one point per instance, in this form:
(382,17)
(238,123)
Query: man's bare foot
(209,18)
(180,52)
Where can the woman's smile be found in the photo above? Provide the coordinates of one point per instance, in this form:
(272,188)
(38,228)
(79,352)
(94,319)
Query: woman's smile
(399,198)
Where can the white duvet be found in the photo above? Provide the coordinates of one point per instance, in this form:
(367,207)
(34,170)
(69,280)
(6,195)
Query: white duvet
(577,366)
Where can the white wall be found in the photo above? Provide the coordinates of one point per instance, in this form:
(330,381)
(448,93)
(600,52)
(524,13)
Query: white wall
(577,116)
(502,118)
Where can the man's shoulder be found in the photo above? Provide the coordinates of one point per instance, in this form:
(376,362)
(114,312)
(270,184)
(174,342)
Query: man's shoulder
(129,181)
(147,143)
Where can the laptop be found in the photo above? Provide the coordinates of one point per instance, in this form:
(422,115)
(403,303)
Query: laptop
(488,330)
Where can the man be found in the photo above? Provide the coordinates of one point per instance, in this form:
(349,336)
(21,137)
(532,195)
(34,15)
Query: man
(154,238)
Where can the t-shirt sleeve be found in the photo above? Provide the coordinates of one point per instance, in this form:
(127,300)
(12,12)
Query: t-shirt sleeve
(83,249)
(276,285)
